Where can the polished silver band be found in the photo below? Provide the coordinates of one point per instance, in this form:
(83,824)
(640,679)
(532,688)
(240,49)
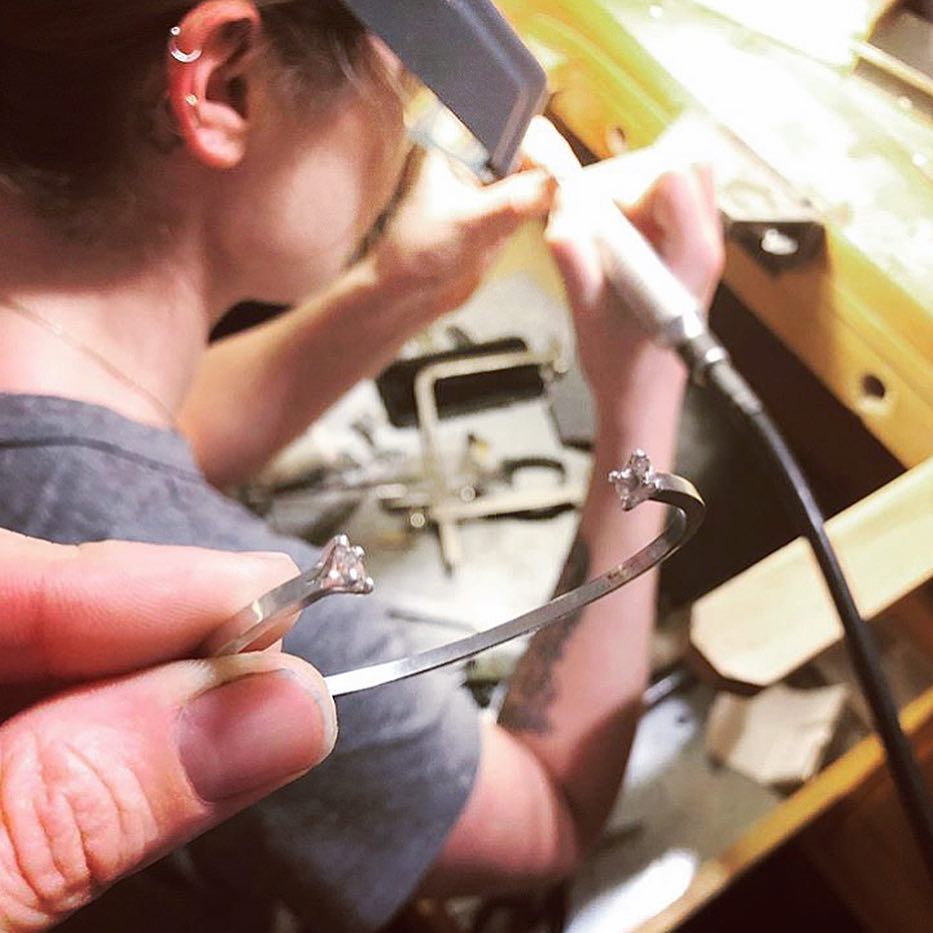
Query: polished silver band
(341,570)
(636,484)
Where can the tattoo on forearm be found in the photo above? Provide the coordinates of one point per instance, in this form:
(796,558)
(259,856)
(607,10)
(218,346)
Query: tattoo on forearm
(532,689)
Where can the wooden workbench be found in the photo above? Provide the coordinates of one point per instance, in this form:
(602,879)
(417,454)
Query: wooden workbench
(859,315)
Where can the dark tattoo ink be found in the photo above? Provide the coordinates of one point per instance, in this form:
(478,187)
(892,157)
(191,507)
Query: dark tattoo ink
(532,689)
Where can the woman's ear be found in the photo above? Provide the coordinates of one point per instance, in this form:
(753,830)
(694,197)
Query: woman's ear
(206,62)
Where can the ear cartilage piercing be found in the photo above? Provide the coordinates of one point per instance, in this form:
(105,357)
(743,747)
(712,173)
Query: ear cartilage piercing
(186,58)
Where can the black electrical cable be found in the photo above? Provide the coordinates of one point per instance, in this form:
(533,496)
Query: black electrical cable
(710,365)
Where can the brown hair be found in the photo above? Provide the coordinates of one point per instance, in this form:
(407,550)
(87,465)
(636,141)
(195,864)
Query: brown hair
(80,84)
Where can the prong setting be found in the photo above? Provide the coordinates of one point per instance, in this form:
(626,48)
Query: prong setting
(636,482)
(342,568)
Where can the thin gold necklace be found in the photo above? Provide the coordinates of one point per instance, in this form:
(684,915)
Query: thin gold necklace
(105,364)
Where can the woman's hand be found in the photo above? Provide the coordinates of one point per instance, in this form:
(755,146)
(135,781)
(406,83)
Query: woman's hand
(675,210)
(678,216)
(447,230)
(255,391)
(121,761)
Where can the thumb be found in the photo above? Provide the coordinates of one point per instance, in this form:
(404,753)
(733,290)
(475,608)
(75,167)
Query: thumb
(99,782)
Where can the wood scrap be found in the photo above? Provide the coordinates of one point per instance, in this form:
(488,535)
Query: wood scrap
(765,623)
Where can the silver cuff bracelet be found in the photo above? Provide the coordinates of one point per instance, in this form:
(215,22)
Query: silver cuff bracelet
(341,570)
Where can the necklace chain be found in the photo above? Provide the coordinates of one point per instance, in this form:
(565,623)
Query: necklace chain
(58,331)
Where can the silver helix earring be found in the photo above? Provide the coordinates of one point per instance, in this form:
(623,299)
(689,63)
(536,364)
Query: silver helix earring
(186,58)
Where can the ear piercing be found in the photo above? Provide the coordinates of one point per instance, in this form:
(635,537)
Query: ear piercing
(186,58)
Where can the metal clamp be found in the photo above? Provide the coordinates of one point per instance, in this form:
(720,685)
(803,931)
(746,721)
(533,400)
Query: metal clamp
(445,508)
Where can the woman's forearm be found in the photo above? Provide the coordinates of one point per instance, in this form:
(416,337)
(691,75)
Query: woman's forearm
(576,694)
(257,391)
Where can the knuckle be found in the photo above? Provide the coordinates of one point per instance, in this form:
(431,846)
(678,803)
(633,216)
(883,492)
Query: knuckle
(513,210)
(71,821)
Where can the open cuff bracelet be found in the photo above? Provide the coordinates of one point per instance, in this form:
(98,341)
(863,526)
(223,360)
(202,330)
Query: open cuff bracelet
(341,570)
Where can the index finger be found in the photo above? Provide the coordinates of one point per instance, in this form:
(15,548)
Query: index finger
(113,607)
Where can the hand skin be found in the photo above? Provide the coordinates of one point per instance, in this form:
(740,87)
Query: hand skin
(112,752)
(551,768)
(257,391)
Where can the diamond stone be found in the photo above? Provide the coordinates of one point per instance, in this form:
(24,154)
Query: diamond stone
(636,481)
(342,567)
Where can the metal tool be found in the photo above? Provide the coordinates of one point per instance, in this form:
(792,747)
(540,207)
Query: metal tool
(441,489)
(446,506)
(341,570)
(485,492)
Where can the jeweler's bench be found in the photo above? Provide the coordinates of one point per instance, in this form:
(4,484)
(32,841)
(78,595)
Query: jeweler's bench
(827,142)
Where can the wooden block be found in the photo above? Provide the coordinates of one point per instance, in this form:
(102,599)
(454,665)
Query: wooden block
(880,369)
(865,850)
(776,737)
(765,623)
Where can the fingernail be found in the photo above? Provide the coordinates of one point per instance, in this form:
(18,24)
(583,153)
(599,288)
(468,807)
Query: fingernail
(254,733)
